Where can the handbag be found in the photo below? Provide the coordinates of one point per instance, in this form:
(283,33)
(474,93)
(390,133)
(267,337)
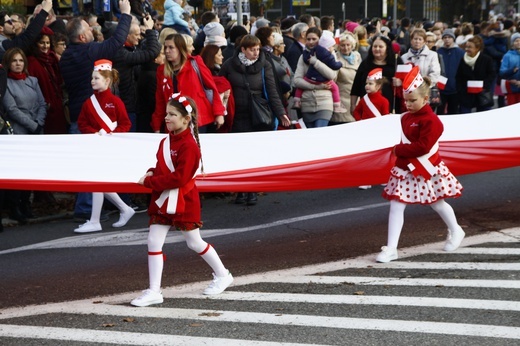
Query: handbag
(485,99)
(207,91)
(261,114)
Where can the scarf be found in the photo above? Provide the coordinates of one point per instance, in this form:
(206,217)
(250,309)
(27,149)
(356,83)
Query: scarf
(17,76)
(471,61)
(416,52)
(50,63)
(268,49)
(245,61)
(351,58)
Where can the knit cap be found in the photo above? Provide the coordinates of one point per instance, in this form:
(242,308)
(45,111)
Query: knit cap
(327,41)
(214,29)
(448,32)
(514,37)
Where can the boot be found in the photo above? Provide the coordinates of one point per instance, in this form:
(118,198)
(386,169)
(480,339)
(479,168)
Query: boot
(241,198)
(252,198)
(17,215)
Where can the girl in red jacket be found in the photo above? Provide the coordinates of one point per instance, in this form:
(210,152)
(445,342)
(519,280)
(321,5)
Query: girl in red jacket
(419,175)
(175,199)
(104,113)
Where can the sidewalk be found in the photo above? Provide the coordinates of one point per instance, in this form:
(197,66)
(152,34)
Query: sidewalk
(64,208)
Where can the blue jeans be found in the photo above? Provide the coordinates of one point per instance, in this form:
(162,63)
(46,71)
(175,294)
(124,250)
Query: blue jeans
(317,123)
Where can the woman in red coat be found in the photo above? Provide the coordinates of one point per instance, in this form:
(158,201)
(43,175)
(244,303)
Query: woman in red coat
(178,74)
(43,64)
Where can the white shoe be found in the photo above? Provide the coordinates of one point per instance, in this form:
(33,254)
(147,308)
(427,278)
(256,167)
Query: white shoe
(365,187)
(148,297)
(124,217)
(88,227)
(386,255)
(218,284)
(454,239)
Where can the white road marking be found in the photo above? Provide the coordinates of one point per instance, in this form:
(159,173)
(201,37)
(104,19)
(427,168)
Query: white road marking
(139,236)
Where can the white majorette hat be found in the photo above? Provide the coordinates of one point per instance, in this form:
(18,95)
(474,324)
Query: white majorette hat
(375,74)
(103,65)
(413,80)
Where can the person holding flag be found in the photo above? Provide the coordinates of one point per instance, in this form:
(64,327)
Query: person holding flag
(419,175)
(475,78)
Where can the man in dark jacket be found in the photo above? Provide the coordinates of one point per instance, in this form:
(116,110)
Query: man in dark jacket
(28,37)
(295,51)
(127,60)
(76,64)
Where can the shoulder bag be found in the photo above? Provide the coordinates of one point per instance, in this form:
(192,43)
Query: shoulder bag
(261,114)
(485,99)
(207,91)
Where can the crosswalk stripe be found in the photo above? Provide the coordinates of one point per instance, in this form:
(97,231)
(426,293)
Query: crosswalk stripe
(305,321)
(124,338)
(390,281)
(502,305)
(488,251)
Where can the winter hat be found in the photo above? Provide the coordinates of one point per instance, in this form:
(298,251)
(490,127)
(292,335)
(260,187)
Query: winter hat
(103,65)
(448,32)
(214,29)
(327,41)
(413,80)
(216,40)
(236,32)
(350,26)
(375,74)
(515,36)
(262,22)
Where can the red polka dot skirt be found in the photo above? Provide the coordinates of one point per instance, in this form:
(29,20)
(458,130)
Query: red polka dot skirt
(405,187)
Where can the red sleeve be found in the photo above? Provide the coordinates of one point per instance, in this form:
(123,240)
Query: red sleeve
(426,134)
(160,101)
(85,120)
(358,111)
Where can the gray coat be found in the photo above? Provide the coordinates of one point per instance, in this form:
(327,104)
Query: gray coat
(24,105)
(234,71)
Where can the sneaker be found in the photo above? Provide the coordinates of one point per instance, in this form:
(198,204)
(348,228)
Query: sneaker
(88,227)
(124,217)
(454,239)
(148,297)
(386,255)
(218,284)
(365,187)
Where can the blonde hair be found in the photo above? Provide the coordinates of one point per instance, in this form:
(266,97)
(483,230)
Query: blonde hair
(424,89)
(165,32)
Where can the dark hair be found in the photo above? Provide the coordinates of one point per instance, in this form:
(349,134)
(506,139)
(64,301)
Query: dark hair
(34,50)
(313,30)
(236,32)
(263,34)
(2,17)
(74,29)
(326,21)
(207,17)
(390,57)
(9,56)
(208,56)
(306,18)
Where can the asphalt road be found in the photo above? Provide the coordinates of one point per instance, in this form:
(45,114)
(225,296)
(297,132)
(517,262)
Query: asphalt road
(285,230)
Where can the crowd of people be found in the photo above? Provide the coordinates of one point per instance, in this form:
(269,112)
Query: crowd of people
(168,73)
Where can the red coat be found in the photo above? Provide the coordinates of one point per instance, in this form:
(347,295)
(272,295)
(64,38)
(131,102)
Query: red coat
(112,105)
(362,111)
(185,156)
(423,129)
(46,70)
(188,84)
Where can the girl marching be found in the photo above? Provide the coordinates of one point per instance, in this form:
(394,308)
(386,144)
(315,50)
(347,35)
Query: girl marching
(175,199)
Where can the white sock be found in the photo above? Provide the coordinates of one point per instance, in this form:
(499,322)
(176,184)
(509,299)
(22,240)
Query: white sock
(395,223)
(206,251)
(97,205)
(156,238)
(446,213)
(117,201)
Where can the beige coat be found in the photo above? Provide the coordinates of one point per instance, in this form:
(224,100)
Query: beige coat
(345,80)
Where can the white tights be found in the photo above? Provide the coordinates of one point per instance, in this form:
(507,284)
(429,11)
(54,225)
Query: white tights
(156,239)
(396,219)
(97,204)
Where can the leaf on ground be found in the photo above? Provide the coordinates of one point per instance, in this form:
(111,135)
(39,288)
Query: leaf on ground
(210,314)
(128,319)
(97,302)
(359,293)
(108,325)
(195,324)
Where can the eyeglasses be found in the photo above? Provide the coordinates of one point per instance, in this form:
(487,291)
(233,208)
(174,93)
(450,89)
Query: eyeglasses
(430,41)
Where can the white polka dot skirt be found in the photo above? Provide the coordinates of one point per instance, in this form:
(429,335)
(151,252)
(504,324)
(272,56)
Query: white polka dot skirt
(405,187)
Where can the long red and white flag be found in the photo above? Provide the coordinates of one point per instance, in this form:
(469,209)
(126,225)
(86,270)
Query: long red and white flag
(349,155)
